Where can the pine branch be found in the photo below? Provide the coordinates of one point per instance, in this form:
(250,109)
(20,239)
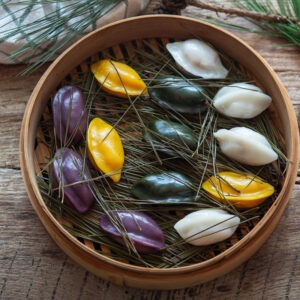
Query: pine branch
(244,13)
(273,17)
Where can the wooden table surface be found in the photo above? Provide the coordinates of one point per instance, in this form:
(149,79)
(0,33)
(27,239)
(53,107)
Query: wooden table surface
(32,266)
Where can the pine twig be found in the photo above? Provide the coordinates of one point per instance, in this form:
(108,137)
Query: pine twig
(243,13)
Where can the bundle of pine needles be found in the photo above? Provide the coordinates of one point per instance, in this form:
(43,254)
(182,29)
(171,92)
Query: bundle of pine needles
(49,35)
(129,116)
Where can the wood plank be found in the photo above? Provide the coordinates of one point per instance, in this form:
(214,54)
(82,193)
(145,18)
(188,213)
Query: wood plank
(16,90)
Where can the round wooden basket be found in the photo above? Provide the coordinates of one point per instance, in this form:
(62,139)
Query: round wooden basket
(33,153)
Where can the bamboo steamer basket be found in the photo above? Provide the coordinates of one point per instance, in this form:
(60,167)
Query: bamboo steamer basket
(32,153)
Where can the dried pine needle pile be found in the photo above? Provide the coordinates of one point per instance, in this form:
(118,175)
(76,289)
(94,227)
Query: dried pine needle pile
(129,116)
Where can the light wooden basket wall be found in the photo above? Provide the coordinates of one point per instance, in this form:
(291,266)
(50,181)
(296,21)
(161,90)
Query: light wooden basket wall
(143,28)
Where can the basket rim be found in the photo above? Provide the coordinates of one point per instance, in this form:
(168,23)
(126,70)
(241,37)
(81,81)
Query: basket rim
(44,214)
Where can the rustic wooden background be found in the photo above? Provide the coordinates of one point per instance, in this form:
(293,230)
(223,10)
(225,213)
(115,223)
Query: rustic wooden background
(32,266)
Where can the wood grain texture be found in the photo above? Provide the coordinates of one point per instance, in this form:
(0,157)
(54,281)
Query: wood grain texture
(33,267)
